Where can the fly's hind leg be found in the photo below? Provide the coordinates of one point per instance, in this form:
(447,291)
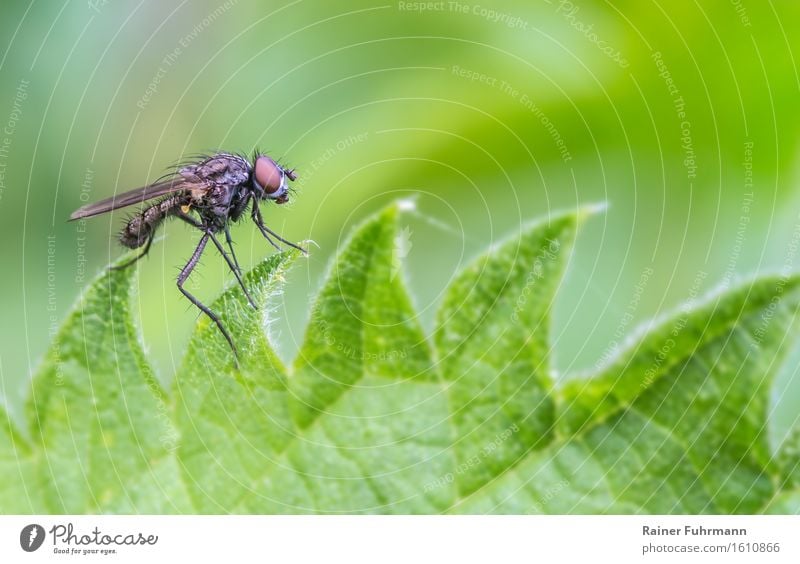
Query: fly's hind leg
(184,274)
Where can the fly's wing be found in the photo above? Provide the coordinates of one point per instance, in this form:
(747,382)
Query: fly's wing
(135,196)
(220,169)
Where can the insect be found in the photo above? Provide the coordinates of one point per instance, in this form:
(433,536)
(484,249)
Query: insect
(209,195)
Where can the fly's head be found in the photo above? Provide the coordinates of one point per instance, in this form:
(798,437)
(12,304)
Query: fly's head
(270,179)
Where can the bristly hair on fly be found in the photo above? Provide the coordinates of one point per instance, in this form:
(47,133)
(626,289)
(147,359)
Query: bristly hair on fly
(174,168)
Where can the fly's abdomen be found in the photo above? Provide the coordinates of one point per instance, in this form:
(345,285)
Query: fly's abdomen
(143,225)
(136,232)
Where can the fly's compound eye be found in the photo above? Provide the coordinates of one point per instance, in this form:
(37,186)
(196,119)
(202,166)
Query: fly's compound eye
(270,176)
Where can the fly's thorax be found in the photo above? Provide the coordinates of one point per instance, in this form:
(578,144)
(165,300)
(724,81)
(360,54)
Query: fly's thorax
(212,197)
(198,194)
(216,204)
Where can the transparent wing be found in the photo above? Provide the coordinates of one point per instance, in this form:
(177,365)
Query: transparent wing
(135,196)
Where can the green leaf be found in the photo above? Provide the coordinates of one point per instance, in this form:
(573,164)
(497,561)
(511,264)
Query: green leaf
(362,405)
(372,419)
(232,422)
(676,424)
(493,344)
(375,417)
(788,461)
(99,418)
(19,490)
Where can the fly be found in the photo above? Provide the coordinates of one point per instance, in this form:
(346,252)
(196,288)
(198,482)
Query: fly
(209,195)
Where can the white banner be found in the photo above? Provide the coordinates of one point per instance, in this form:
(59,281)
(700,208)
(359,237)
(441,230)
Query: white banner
(402,539)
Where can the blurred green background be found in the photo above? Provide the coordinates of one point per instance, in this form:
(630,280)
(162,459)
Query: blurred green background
(681,115)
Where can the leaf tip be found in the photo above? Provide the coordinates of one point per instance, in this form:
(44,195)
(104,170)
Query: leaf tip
(408,204)
(589,210)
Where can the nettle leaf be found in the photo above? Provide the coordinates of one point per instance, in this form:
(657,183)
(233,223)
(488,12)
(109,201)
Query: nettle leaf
(375,425)
(373,416)
(233,422)
(676,424)
(493,344)
(366,417)
(787,497)
(19,492)
(99,420)
(368,407)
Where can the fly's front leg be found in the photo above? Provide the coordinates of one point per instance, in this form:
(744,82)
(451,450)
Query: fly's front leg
(256,215)
(266,231)
(184,274)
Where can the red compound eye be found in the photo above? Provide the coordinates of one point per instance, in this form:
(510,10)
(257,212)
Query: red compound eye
(268,174)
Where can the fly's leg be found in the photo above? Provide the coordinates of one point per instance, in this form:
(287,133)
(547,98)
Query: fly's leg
(233,268)
(266,231)
(229,240)
(231,264)
(233,215)
(190,220)
(256,215)
(184,274)
(144,252)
